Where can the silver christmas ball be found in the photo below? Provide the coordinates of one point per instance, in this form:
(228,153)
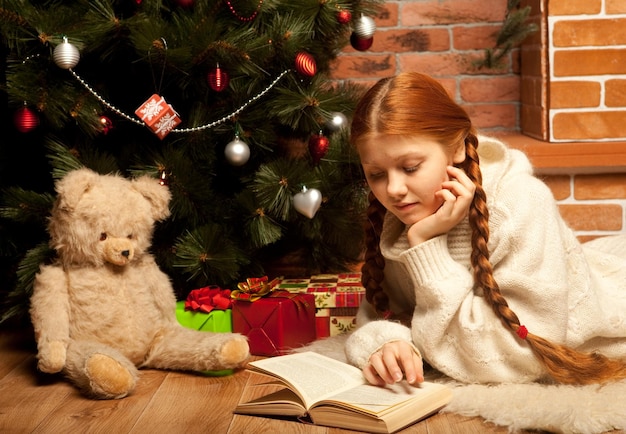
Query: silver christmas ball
(337,122)
(365,27)
(66,55)
(237,152)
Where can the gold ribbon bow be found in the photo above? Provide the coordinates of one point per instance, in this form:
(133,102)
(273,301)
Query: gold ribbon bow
(254,288)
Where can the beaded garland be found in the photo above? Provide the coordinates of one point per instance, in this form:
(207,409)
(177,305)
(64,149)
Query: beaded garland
(239,17)
(182,130)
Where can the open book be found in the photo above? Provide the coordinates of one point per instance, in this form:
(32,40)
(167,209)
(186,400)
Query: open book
(336,394)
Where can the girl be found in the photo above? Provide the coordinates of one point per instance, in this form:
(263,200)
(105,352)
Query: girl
(471,267)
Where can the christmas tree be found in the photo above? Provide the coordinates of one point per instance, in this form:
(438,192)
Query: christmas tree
(228,103)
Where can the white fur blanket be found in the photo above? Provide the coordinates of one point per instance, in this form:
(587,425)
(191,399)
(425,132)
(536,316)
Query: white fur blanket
(554,408)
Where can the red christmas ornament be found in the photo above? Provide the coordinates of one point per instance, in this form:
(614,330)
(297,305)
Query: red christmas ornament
(305,64)
(360,43)
(25,120)
(318,146)
(106,123)
(218,79)
(344,16)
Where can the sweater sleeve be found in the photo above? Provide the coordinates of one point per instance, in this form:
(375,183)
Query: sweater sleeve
(370,337)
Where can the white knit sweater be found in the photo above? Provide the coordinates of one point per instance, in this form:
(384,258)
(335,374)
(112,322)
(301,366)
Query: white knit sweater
(561,290)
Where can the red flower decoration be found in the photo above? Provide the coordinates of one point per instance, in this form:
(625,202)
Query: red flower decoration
(208,298)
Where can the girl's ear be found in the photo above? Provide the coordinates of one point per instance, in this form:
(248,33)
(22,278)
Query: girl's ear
(459,155)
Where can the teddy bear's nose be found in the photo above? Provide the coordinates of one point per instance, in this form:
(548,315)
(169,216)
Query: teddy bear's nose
(126,253)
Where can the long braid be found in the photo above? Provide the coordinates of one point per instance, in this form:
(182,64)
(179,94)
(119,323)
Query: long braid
(372,269)
(564,364)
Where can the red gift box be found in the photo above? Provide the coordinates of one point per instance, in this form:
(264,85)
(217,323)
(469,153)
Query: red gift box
(276,323)
(158,115)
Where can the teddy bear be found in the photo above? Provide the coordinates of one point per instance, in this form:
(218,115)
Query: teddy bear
(103,309)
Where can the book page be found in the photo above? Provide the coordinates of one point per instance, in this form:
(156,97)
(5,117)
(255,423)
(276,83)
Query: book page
(376,400)
(312,376)
(284,402)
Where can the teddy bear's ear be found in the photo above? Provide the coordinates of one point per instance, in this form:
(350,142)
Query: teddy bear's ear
(73,185)
(159,195)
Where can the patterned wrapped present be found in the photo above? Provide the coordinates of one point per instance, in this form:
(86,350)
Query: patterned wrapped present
(337,300)
(276,322)
(207,309)
(158,115)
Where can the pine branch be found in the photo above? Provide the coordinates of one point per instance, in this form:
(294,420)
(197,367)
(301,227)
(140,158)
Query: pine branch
(260,228)
(23,206)
(207,255)
(276,182)
(515,29)
(61,159)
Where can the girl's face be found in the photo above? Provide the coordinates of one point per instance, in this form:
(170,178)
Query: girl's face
(404,174)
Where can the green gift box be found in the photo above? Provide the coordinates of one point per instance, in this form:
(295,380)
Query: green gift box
(215,321)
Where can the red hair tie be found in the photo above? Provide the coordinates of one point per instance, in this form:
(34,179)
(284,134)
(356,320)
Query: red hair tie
(522,332)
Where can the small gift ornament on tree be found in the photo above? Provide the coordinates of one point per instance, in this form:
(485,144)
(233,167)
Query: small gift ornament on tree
(158,116)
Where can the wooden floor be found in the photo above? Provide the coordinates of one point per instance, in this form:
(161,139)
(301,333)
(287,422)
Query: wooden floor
(164,402)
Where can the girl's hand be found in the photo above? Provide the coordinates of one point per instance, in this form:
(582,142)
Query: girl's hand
(394,361)
(457,195)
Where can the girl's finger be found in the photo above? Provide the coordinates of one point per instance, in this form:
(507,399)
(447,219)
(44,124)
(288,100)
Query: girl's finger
(461,177)
(378,365)
(372,376)
(411,365)
(391,366)
(448,199)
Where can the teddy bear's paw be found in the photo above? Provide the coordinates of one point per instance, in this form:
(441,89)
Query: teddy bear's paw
(52,357)
(235,352)
(108,378)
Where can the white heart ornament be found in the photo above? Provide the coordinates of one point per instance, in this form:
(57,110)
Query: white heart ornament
(307,202)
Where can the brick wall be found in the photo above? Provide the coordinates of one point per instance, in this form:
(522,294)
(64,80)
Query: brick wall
(574,71)
(444,38)
(592,204)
